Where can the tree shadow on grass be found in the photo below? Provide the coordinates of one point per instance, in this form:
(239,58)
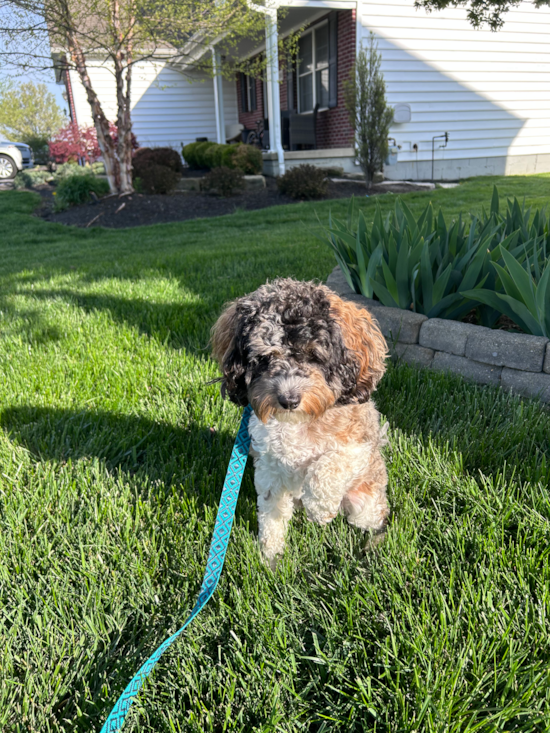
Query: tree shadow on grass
(157,450)
(155,460)
(178,325)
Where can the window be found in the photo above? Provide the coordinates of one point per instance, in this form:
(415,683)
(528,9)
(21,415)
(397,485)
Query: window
(313,69)
(248,93)
(251,93)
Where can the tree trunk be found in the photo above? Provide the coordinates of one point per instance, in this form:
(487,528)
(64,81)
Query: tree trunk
(101,123)
(124,124)
(123,64)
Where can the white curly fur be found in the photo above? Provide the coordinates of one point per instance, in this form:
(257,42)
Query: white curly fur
(294,467)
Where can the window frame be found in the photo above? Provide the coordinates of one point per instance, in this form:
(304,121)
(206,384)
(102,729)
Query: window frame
(313,72)
(250,93)
(249,96)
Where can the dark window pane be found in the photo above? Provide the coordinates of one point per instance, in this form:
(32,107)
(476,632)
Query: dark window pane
(305,53)
(321,46)
(322,87)
(306,93)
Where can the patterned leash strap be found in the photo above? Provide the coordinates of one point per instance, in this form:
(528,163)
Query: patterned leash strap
(214,566)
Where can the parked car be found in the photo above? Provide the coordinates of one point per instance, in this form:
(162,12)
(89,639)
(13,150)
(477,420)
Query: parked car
(13,158)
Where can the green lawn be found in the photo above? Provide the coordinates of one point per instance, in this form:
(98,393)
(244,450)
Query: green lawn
(113,451)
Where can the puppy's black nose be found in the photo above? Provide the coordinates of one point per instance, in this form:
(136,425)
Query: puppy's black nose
(289,401)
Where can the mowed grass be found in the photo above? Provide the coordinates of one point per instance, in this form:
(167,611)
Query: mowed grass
(113,450)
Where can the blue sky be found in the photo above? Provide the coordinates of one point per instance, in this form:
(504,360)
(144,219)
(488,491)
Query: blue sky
(38,77)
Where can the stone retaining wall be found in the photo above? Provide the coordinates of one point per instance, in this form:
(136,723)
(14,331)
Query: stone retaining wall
(515,361)
(186,185)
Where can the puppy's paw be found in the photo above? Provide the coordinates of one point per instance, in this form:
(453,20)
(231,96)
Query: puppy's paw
(374,538)
(270,559)
(319,514)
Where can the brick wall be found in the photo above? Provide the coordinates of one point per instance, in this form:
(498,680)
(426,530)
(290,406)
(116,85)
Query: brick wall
(333,127)
(248,119)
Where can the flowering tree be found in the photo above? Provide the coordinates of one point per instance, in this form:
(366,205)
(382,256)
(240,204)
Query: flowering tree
(122,32)
(73,144)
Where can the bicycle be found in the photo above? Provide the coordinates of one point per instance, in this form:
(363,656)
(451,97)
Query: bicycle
(256,137)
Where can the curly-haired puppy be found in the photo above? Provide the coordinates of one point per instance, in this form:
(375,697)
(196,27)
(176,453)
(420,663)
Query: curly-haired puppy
(308,363)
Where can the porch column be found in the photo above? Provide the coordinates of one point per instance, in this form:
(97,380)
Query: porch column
(274,102)
(218,95)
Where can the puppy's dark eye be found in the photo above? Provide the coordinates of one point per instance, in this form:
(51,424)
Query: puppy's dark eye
(259,360)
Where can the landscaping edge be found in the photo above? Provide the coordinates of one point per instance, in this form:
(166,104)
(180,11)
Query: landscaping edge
(515,361)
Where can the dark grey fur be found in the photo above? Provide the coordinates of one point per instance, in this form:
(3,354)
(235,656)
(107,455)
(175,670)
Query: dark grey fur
(282,331)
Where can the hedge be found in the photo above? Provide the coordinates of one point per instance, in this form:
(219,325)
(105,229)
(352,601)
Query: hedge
(213,155)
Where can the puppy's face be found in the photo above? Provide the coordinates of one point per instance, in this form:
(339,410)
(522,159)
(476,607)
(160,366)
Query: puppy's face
(295,349)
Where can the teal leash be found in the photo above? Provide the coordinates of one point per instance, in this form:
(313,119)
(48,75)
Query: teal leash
(214,566)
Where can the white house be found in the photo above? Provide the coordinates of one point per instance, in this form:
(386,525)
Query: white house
(489,92)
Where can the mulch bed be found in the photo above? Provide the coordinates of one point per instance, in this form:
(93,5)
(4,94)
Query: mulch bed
(141,210)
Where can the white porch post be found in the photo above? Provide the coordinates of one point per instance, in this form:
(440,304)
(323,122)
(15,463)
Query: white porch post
(218,96)
(273,97)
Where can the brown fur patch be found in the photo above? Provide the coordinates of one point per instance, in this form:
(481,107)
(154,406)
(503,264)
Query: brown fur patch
(355,496)
(347,424)
(223,332)
(362,336)
(319,398)
(264,410)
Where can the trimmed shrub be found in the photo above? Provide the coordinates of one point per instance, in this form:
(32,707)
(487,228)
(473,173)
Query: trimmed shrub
(226,181)
(75,190)
(158,179)
(248,158)
(303,182)
(200,153)
(189,154)
(157,169)
(369,113)
(98,168)
(147,157)
(228,154)
(212,155)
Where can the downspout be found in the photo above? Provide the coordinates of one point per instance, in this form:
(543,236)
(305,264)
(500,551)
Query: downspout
(273,91)
(218,96)
(70,97)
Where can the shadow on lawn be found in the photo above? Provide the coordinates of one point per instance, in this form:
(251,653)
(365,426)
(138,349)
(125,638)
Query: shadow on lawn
(135,445)
(174,324)
(191,461)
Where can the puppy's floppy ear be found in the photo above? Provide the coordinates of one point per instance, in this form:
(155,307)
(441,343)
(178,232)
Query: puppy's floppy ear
(364,341)
(223,332)
(227,352)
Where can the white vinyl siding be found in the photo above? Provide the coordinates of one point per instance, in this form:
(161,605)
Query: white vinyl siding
(168,108)
(489,91)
